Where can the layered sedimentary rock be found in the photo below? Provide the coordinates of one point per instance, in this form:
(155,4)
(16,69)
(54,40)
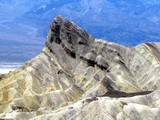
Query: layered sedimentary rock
(79,77)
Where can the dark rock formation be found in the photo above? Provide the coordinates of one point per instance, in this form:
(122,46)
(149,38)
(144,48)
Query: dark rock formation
(118,94)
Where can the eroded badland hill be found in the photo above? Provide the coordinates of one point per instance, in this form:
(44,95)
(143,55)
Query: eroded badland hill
(78,77)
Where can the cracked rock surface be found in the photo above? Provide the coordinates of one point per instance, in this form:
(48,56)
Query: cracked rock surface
(78,77)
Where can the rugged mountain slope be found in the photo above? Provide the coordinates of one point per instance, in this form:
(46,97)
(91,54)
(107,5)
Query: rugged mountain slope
(79,77)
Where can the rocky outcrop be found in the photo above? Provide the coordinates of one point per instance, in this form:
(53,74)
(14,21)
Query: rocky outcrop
(79,77)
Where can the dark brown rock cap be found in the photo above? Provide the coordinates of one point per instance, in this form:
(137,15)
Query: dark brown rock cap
(71,37)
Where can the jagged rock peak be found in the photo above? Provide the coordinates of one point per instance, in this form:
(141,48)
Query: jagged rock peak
(68,35)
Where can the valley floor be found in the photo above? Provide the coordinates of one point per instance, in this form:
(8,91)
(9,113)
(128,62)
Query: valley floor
(7,67)
(6,70)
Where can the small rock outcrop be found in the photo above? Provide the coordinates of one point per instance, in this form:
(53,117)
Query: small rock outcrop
(79,77)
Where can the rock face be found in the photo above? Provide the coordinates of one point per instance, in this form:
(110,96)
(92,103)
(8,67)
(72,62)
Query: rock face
(79,77)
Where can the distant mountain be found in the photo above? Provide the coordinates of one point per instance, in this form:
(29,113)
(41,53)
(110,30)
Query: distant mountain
(25,23)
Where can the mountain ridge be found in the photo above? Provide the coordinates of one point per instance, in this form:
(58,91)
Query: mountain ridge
(79,77)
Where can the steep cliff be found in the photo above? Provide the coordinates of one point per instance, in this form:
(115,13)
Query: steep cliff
(79,77)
